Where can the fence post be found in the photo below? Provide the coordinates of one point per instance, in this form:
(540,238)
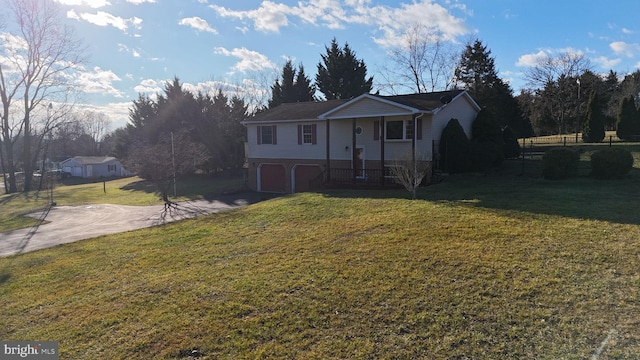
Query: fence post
(610,140)
(564,142)
(524,144)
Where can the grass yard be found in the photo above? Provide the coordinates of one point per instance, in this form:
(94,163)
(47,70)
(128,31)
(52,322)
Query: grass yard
(481,267)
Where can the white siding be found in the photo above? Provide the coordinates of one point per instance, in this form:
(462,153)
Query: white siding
(287,146)
(461,110)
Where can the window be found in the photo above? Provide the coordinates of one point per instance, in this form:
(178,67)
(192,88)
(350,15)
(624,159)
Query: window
(111,168)
(395,130)
(307,134)
(401,130)
(267,134)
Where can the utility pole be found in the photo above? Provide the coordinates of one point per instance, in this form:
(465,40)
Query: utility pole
(173,163)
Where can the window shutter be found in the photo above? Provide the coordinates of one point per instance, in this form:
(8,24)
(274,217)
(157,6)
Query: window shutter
(259,134)
(299,134)
(376,130)
(314,138)
(419,129)
(275,138)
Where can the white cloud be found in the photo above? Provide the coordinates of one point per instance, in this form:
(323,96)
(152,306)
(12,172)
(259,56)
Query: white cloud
(623,48)
(138,2)
(532,59)
(249,60)
(125,48)
(334,14)
(102,18)
(148,86)
(198,24)
(91,3)
(98,81)
(269,17)
(607,63)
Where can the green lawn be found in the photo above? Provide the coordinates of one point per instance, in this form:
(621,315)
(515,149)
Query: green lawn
(493,266)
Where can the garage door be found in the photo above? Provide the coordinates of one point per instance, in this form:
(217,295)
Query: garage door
(304,175)
(272,178)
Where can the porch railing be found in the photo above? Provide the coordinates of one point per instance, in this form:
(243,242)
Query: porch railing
(360,177)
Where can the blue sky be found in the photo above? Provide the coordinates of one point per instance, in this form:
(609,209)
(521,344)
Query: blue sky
(138,45)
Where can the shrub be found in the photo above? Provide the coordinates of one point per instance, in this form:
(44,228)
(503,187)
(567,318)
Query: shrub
(483,155)
(593,130)
(628,126)
(560,163)
(611,163)
(511,148)
(454,148)
(486,142)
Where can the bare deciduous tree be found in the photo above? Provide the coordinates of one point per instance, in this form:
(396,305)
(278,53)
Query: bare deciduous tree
(423,61)
(409,170)
(567,64)
(32,68)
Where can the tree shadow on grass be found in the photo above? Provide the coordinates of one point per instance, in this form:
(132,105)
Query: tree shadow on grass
(582,197)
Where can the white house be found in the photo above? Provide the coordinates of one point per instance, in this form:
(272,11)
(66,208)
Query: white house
(296,146)
(93,167)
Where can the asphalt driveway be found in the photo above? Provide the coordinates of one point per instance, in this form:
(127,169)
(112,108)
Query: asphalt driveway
(67,224)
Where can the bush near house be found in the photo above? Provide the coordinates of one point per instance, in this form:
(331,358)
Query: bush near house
(611,163)
(511,148)
(560,163)
(454,148)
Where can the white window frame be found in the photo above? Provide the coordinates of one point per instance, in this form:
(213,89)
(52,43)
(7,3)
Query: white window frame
(307,134)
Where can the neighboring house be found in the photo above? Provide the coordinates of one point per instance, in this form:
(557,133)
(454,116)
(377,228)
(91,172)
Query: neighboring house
(93,167)
(297,146)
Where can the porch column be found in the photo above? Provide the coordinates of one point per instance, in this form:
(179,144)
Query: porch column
(328,179)
(353,148)
(382,149)
(413,140)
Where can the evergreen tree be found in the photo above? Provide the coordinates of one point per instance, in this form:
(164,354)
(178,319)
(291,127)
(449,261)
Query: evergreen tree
(593,130)
(304,90)
(293,88)
(511,148)
(341,75)
(476,73)
(486,138)
(628,125)
(454,148)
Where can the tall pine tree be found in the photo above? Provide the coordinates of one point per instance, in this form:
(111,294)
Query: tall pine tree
(476,73)
(628,125)
(293,88)
(341,75)
(593,130)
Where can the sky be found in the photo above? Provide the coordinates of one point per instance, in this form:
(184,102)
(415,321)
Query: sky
(136,46)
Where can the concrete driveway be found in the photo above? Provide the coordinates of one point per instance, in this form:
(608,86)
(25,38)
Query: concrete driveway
(72,223)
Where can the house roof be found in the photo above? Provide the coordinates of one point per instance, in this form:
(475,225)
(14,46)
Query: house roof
(91,160)
(426,101)
(309,110)
(320,110)
(369,105)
